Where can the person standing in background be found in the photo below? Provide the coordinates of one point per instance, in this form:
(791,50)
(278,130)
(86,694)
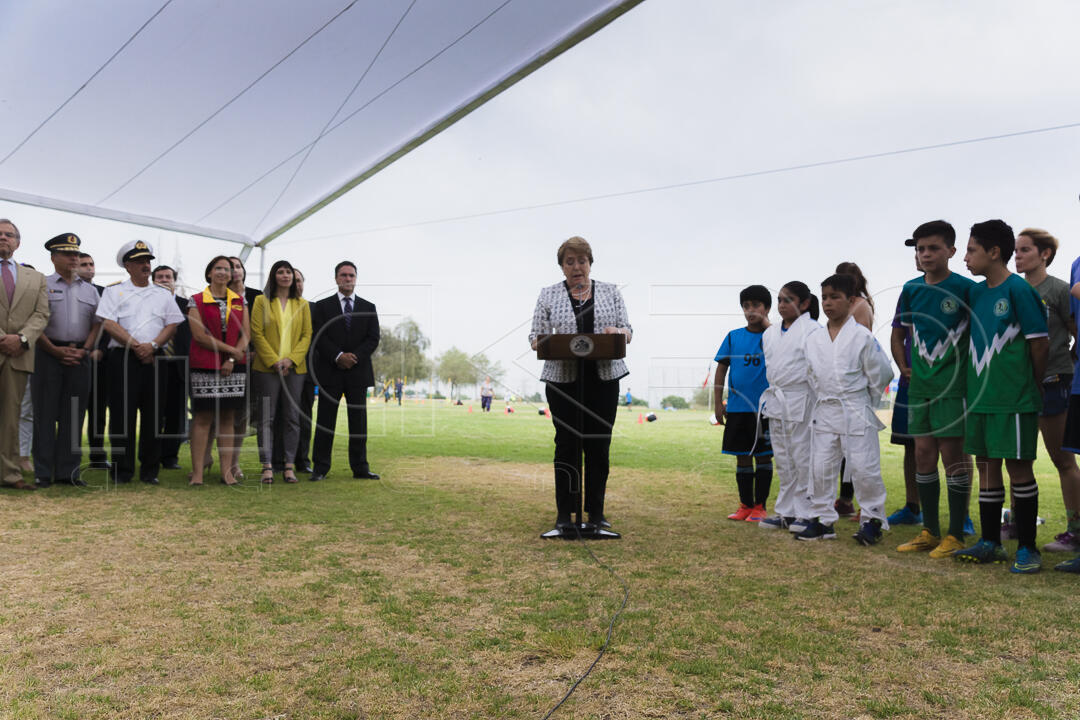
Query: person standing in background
(140,317)
(60,385)
(346,332)
(307,402)
(24,312)
(98,400)
(174,412)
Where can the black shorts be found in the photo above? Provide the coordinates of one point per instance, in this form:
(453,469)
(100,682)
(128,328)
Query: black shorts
(900,419)
(743,435)
(1071,441)
(1056,395)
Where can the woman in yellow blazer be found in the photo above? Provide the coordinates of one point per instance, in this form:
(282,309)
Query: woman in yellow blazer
(281,334)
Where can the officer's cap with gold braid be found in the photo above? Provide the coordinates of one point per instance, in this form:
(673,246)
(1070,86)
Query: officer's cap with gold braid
(134,250)
(64,242)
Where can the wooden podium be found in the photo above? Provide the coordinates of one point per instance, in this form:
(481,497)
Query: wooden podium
(580,347)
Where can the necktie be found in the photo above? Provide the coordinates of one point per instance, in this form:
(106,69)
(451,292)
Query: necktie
(9,280)
(348,314)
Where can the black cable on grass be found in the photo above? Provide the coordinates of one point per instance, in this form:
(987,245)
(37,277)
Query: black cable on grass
(611,625)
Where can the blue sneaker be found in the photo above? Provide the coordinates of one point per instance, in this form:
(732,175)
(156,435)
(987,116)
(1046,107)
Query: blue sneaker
(776,522)
(982,552)
(817,531)
(799,524)
(904,516)
(1069,566)
(1028,561)
(869,534)
(969,527)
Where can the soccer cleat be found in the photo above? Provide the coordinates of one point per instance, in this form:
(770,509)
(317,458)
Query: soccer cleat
(969,527)
(757,514)
(923,542)
(1065,542)
(742,513)
(776,522)
(816,531)
(869,533)
(799,524)
(947,548)
(904,516)
(982,552)
(1028,561)
(1069,566)
(844,507)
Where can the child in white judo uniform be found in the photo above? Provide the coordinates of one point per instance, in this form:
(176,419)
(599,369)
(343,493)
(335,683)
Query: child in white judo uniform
(848,373)
(787,402)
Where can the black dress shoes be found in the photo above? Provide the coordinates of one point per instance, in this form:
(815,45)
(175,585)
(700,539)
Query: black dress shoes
(304,468)
(150,480)
(170,465)
(316,477)
(365,476)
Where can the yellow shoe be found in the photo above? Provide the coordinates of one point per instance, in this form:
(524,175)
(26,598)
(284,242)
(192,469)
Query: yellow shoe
(922,542)
(947,547)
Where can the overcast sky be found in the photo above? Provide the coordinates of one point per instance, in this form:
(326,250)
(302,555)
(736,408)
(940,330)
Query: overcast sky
(678,91)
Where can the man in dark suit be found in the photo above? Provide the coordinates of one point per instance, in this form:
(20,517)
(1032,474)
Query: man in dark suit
(174,412)
(98,401)
(346,333)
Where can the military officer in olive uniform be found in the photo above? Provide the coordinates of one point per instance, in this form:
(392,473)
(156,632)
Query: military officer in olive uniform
(140,318)
(60,385)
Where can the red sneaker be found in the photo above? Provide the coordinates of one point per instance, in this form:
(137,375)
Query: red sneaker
(757,514)
(844,508)
(742,513)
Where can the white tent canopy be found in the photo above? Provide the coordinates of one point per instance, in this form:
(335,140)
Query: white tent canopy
(236,120)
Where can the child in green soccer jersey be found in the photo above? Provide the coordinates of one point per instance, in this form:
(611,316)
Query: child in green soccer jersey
(934,308)
(1008,361)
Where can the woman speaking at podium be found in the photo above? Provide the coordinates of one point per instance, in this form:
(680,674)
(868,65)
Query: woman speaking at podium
(581,305)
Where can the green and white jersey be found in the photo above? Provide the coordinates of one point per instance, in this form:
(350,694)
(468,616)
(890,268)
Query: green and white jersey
(1003,319)
(939,317)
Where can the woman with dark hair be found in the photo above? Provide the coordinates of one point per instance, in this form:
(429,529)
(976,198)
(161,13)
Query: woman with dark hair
(219,339)
(242,417)
(281,334)
(581,305)
(862,308)
(238,282)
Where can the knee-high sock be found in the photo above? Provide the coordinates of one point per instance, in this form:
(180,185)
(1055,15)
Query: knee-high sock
(990,503)
(762,480)
(958,488)
(1026,505)
(744,477)
(929,486)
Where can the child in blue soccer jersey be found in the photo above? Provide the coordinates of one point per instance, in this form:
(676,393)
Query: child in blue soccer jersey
(745,436)
(1008,362)
(934,308)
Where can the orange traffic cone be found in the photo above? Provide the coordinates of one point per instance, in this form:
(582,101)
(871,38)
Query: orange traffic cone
(547,412)
(640,419)
(470,408)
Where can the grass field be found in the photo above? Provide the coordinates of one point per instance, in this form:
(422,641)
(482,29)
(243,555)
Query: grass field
(428,594)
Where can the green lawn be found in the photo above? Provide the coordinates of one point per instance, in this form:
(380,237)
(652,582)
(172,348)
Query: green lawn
(428,594)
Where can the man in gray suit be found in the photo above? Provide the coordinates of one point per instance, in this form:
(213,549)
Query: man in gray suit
(24,312)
